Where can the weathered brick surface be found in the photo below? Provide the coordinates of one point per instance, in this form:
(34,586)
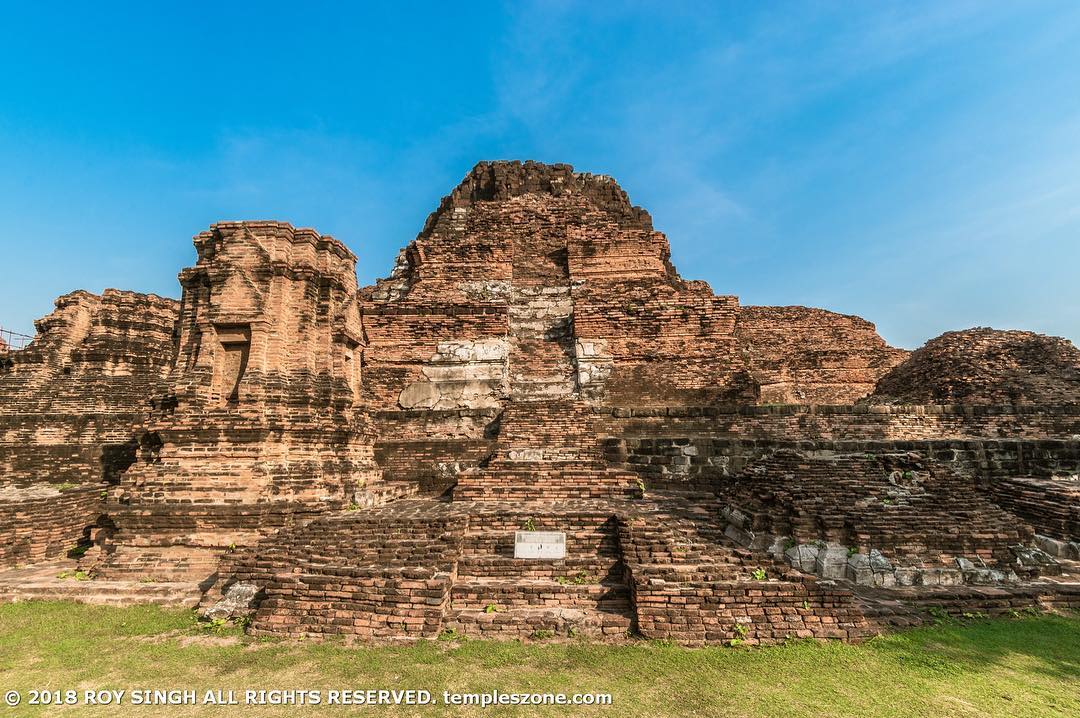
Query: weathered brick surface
(41,523)
(70,401)
(1050,505)
(986,366)
(857,422)
(360,459)
(801,355)
(694,585)
(260,424)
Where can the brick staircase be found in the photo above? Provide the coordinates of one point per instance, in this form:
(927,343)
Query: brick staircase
(541,359)
(546,452)
(498,596)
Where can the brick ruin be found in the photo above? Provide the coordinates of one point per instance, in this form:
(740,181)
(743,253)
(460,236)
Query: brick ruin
(71,406)
(341,460)
(984,366)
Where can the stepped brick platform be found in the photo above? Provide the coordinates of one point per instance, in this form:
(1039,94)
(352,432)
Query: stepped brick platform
(335,460)
(65,580)
(546,451)
(913,511)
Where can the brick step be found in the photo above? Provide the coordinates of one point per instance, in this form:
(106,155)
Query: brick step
(169,564)
(569,568)
(109,593)
(540,623)
(42,582)
(700,571)
(500,594)
(531,493)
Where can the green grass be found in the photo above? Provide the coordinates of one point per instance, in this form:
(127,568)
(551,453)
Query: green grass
(1023,667)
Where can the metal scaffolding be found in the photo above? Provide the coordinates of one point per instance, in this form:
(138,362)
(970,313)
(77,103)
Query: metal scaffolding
(13,341)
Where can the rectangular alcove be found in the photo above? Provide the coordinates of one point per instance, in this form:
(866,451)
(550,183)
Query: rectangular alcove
(235,341)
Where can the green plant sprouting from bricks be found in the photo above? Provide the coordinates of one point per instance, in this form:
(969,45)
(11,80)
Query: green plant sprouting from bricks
(529,525)
(581,578)
(452,634)
(759,574)
(741,632)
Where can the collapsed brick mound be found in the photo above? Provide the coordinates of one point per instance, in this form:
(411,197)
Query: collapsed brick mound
(911,511)
(985,366)
(72,399)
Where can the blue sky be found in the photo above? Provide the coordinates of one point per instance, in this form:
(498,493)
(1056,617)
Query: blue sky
(913,163)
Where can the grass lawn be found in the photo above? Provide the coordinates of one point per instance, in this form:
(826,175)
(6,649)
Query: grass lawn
(1021,667)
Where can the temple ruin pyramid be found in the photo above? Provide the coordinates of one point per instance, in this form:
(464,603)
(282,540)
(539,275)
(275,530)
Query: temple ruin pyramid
(331,459)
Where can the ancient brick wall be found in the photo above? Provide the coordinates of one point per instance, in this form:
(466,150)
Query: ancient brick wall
(39,523)
(801,355)
(859,422)
(1050,505)
(363,575)
(71,401)
(703,461)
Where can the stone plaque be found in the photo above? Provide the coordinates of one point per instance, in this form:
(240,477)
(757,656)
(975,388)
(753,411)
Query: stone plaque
(540,544)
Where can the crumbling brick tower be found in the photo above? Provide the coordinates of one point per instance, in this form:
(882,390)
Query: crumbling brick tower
(69,405)
(260,425)
(534,282)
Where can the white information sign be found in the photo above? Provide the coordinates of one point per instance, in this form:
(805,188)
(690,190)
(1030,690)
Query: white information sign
(540,544)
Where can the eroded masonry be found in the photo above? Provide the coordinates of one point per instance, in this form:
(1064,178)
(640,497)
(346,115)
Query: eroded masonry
(371,461)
